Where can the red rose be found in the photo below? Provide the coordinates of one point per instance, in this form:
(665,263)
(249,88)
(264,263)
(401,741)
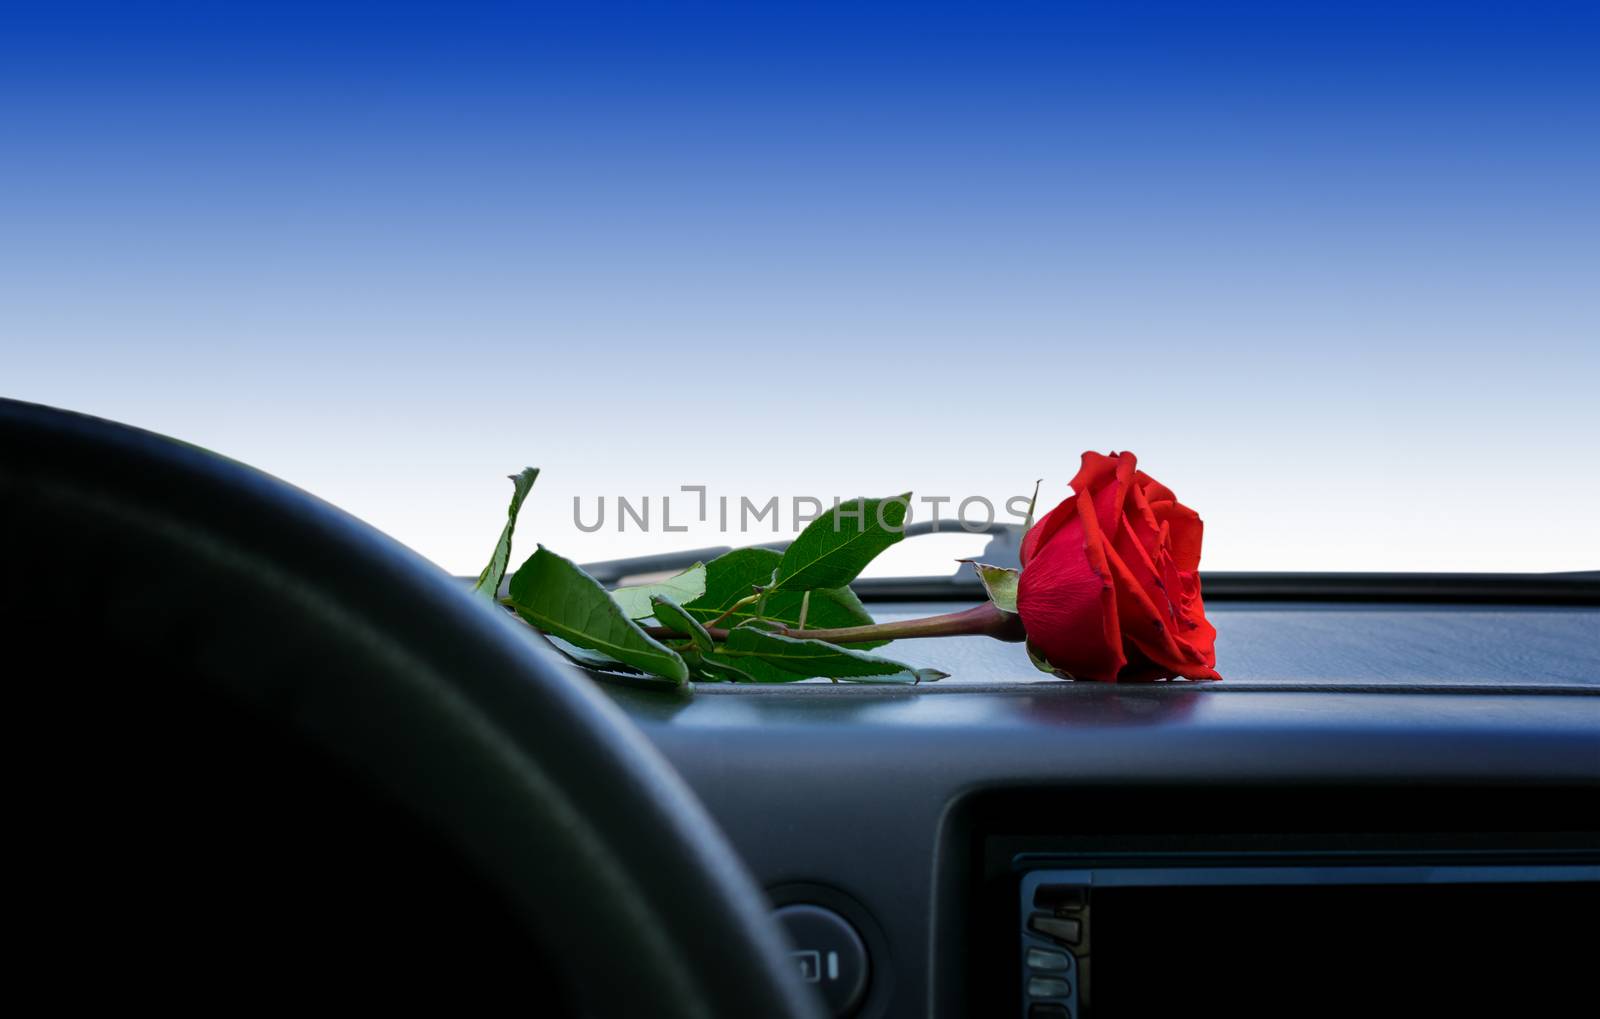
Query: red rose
(1110,588)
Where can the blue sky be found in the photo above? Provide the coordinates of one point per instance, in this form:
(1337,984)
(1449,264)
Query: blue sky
(1331,274)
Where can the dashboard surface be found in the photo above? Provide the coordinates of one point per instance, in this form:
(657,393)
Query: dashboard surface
(1330,644)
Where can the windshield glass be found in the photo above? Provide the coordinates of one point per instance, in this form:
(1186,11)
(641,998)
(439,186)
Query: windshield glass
(1332,276)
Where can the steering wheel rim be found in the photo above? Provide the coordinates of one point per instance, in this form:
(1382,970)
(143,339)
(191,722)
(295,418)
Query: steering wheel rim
(437,700)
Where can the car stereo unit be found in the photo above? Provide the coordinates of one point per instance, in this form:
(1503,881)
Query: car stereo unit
(1272,936)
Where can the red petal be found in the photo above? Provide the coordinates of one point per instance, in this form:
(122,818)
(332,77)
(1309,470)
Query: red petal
(1068,606)
(1151,623)
(1096,470)
(1154,490)
(1046,526)
(1143,521)
(1187,532)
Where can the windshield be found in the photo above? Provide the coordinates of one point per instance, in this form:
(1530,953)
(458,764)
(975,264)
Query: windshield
(1330,275)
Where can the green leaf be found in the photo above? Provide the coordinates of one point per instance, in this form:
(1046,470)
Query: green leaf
(716,670)
(838,545)
(556,596)
(672,615)
(732,575)
(774,658)
(1001,584)
(681,587)
(591,659)
(488,585)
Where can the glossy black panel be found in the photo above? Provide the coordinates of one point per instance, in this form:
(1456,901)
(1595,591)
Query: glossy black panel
(1330,645)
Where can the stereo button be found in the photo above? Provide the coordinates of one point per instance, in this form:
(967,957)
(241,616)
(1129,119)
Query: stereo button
(1048,987)
(1040,958)
(1060,928)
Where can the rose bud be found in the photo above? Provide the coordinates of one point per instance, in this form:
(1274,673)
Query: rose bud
(1110,588)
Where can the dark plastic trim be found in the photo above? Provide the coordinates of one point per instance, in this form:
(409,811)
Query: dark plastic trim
(1582,588)
(1576,588)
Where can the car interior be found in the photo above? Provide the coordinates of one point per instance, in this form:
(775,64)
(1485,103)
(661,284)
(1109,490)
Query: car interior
(1071,510)
(264,745)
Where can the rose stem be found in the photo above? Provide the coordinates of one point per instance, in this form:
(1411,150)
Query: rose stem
(979,621)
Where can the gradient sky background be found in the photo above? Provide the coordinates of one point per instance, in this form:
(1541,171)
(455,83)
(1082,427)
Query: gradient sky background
(1334,276)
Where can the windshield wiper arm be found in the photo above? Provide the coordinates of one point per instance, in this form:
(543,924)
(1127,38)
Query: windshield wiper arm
(613,571)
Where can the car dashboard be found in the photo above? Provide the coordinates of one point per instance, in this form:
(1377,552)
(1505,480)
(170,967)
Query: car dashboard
(1375,750)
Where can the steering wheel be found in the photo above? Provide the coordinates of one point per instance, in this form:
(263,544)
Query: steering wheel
(270,755)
